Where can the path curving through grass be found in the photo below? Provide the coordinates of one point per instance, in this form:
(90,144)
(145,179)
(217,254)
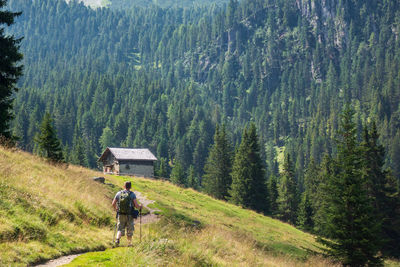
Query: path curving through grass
(151,217)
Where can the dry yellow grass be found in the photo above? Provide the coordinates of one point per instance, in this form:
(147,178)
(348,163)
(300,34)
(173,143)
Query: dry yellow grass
(48,210)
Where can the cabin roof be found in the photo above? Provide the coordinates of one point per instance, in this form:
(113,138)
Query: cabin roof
(129,154)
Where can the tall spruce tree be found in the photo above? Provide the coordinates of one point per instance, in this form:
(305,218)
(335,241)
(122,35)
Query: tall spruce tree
(178,174)
(316,184)
(305,213)
(192,180)
(273,195)
(78,155)
(382,190)
(351,224)
(249,188)
(287,193)
(391,220)
(217,170)
(48,144)
(162,170)
(9,69)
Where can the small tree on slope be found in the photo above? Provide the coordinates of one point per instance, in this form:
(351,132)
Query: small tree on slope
(47,142)
(217,170)
(178,174)
(287,193)
(249,187)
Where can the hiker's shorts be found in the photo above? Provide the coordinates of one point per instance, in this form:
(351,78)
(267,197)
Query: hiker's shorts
(125,221)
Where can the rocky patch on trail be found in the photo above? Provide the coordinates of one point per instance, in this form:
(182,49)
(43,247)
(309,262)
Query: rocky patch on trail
(151,217)
(60,261)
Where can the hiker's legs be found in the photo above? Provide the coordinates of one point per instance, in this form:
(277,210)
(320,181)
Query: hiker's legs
(119,234)
(130,227)
(122,221)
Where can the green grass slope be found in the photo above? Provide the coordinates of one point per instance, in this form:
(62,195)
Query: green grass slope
(48,211)
(197,230)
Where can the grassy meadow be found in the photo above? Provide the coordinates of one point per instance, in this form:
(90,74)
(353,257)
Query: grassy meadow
(197,230)
(47,211)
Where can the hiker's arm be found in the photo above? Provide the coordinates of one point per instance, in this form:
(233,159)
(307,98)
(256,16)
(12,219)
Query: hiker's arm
(114,203)
(139,207)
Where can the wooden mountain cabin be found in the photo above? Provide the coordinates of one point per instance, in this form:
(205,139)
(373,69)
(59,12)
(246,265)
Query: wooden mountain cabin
(128,161)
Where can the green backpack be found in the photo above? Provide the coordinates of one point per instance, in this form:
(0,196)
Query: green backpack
(124,203)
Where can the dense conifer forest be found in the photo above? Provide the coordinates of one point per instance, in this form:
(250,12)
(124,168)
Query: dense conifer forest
(163,78)
(278,81)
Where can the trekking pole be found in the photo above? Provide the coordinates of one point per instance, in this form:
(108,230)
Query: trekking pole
(140,222)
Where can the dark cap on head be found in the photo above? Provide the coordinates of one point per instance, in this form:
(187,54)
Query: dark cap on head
(128,185)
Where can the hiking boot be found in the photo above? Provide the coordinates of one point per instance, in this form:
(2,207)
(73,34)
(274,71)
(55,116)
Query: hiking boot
(117,243)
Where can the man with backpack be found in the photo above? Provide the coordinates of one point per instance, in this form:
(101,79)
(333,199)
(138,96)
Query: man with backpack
(123,203)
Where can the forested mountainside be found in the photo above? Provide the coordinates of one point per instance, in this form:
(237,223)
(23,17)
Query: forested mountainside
(129,4)
(163,78)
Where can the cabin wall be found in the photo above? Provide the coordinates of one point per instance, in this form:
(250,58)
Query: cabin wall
(140,168)
(109,159)
(109,165)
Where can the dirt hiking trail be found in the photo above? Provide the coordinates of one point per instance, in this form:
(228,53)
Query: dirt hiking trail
(148,218)
(152,216)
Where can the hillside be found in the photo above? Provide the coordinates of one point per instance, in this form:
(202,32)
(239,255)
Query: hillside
(47,211)
(308,92)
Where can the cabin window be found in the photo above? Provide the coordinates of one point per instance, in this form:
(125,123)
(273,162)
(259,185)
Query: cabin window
(127,166)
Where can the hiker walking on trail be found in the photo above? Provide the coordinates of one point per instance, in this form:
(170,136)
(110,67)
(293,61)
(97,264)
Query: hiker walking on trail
(123,203)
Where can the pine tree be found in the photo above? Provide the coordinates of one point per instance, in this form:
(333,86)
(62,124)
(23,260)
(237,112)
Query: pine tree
(287,193)
(178,174)
(48,144)
(382,191)
(391,220)
(192,180)
(249,188)
(217,170)
(106,139)
(162,169)
(9,69)
(78,156)
(316,184)
(350,222)
(305,213)
(273,195)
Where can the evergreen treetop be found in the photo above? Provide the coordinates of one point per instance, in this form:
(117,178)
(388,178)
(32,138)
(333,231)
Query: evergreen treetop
(217,170)
(351,222)
(287,193)
(48,144)
(249,187)
(10,70)
(178,175)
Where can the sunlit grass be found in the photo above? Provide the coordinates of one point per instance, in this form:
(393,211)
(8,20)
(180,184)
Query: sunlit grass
(198,230)
(48,211)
